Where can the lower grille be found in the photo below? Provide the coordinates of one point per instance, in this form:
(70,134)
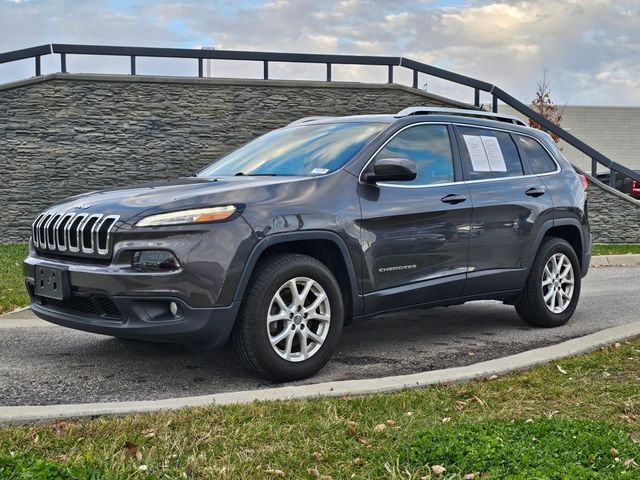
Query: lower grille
(97,306)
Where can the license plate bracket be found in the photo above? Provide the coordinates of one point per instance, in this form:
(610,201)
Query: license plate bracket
(52,282)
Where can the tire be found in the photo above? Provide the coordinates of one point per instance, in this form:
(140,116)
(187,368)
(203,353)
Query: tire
(292,320)
(556,309)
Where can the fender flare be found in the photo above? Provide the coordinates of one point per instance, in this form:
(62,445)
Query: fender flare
(548,225)
(286,237)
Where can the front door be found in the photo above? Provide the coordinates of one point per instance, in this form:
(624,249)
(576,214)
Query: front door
(415,234)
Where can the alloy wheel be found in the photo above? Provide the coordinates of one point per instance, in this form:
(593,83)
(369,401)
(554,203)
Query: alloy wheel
(298,319)
(558,283)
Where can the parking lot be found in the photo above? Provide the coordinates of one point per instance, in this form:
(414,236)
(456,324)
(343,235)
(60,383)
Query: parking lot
(45,364)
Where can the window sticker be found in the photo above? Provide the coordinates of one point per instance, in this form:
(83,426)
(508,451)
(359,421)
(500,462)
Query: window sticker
(319,171)
(485,153)
(477,153)
(494,154)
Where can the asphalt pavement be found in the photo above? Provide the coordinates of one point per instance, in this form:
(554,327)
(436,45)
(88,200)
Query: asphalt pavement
(43,364)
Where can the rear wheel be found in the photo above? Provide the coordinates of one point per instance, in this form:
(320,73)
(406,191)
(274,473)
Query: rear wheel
(291,319)
(553,288)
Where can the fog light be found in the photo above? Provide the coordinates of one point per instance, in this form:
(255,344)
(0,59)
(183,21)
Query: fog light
(173,308)
(154,260)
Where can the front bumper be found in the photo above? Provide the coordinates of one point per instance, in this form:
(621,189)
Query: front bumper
(111,301)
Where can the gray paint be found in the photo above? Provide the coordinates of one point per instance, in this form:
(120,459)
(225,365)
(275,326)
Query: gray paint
(64,134)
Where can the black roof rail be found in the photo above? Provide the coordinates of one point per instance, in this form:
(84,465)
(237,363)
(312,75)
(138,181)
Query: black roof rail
(459,111)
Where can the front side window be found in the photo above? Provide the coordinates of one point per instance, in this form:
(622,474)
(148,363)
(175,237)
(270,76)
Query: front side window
(300,150)
(539,158)
(429,147)
(488,154)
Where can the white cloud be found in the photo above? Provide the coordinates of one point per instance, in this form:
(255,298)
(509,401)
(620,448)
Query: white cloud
(590,48)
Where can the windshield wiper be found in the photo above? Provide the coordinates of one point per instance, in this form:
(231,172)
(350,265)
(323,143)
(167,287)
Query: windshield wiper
(242,174)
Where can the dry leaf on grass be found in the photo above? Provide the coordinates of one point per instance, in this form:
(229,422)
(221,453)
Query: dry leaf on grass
(614,453)
(358,461)
(317,455)
(314,472)
(274,472)
(561,370)
(130,449)
(379,428)
(438,469)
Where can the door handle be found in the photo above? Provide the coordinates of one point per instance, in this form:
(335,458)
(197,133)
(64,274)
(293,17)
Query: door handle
(453,198)
(535,191)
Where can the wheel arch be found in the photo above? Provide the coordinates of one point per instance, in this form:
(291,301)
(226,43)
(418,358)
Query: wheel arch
(568,229)
(325,246)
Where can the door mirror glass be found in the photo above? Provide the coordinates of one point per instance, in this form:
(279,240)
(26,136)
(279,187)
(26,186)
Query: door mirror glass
(391,170)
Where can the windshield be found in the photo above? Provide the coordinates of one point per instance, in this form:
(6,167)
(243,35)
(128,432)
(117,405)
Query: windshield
(300,150)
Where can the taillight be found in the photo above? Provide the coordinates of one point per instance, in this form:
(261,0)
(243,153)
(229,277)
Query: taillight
(585,184)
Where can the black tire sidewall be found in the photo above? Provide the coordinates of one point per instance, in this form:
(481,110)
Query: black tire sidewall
(267,360)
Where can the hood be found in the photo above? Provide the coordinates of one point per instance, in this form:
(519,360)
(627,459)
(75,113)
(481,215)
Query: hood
(182,193)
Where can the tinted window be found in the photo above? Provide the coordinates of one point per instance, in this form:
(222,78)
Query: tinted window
(488,154)
(300,150)
(539,158)
(429,147)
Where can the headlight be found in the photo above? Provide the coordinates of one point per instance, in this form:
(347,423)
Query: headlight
(198,215)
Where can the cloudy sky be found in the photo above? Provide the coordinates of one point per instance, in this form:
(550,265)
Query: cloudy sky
(590,49)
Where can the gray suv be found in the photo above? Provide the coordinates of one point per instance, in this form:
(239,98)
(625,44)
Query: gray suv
(285,240)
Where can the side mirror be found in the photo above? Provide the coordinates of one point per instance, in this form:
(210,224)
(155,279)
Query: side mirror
(391,170)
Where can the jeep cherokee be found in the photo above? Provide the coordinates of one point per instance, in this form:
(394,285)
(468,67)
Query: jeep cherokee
(283,241)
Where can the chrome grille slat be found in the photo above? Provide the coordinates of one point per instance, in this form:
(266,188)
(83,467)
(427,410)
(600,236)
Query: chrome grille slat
(85,224)
(73,233)
(62,246)
(49,229)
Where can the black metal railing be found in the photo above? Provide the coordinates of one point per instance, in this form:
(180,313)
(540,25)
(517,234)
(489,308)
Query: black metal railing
(478,86)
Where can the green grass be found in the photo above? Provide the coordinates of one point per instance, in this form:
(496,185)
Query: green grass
(547,423)
(12,291)
(615,248)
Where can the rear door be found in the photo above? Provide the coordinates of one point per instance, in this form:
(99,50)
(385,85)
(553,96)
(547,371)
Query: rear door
(415,234)
(510,203)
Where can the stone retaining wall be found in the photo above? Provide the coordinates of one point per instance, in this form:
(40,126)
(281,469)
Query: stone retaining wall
(64,134)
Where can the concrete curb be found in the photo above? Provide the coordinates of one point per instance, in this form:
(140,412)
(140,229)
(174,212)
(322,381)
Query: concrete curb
(520,361)
(615,260)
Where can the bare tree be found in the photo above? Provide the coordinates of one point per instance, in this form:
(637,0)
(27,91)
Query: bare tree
(543,105)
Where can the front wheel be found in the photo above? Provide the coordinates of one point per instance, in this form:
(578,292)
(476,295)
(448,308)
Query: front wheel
(552,290)
(291,319)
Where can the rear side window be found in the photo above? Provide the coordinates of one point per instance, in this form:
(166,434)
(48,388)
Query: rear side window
(429,147)
(488,154)
(539,158)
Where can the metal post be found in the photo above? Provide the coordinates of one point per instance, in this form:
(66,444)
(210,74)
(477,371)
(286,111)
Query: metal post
(594,168)
(612,178)
(415,79)
(133,65)
(63,62)
(476,97)
(328,72)
(390,79)
(494,104)
(200,69)
(37,65)
(265,70)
